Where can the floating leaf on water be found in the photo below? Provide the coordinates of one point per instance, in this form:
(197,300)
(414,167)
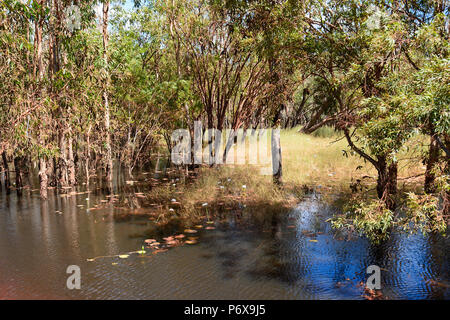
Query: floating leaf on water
(159,251)
(124,256)
(190,231)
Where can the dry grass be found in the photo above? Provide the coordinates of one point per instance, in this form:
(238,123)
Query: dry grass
(221,189)
(320,160)
(308,160)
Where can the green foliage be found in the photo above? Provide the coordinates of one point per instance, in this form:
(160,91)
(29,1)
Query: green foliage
(368,217)
(423,214)
(426,212)
(419,213)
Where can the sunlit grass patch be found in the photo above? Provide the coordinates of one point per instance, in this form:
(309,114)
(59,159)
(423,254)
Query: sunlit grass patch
(221,189)
(308,162)
(319,160)
(326,160)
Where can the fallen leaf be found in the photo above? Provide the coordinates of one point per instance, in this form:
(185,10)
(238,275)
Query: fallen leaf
(159,250)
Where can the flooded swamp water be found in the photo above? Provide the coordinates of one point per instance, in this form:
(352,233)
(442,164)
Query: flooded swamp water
(240,255)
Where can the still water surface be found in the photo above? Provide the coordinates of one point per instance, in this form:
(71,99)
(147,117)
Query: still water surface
(293,256)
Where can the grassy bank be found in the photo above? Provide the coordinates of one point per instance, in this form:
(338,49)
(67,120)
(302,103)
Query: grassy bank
(308,161)
(321,159)
(220,190)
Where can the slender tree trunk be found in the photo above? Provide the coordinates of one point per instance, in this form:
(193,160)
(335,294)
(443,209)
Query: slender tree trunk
(387,173)
(433,158)
(109,164)
(387,182)
(88,154)
(6,168)
(298,112)
(71,162)
(62,162)
(229,144)
(43,179)
(39,70)
(18,164)
(210,137)
(52,175)
(277,168)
